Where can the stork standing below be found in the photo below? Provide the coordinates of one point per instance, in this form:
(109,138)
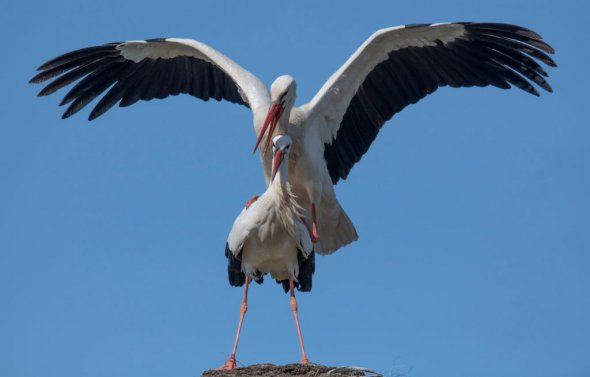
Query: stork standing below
(394,68)
(269,237)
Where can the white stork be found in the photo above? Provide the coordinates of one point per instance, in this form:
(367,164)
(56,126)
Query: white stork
(269,237)
(395,67)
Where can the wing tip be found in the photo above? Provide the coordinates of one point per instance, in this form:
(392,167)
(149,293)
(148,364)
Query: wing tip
(95,113)
(44,66)
(38,78)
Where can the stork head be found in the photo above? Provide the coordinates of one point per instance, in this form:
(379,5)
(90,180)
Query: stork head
(283,90)
(281,145)
(282,96)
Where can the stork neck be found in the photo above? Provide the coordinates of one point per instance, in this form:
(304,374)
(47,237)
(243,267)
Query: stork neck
(283,122)
(282,176)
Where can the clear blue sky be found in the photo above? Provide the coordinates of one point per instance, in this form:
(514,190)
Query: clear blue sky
(473,206)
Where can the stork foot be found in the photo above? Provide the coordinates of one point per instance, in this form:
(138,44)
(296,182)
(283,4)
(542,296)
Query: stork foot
(314,228)
(229,364)
(251,200)
(314,234)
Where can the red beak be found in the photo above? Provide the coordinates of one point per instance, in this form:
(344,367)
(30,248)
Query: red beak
(277,159)
(272,118)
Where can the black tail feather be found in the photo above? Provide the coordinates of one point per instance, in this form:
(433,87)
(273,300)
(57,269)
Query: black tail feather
(234,268)
(306,271)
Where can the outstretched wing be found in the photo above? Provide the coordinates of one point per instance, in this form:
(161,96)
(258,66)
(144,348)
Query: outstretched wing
(399,66)
(154,68)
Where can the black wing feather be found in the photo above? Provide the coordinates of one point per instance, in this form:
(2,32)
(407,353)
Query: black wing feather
(101,83)
(143,77)
(105,49)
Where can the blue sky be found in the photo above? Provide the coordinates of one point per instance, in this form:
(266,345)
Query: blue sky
(472,206)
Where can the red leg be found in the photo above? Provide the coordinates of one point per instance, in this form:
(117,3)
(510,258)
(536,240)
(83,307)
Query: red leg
(294,309)
(251,200)
(231,363)
(306,227)
(314,230)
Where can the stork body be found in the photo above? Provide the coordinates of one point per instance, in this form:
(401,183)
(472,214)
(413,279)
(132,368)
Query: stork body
(269,237)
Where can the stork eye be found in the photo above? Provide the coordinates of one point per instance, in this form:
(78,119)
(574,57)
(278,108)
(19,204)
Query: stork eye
(282,97)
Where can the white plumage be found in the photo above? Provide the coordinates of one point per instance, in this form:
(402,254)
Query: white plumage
(268,235)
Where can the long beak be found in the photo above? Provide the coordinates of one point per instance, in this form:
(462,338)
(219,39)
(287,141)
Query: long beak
(276,162)
(272,118)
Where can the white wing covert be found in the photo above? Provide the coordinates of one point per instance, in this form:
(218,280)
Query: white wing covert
(241,229)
